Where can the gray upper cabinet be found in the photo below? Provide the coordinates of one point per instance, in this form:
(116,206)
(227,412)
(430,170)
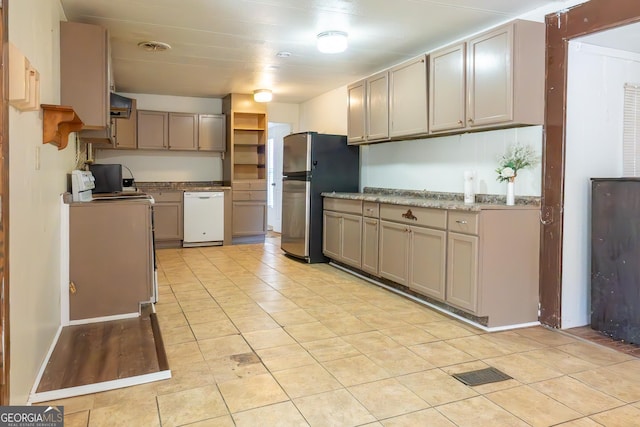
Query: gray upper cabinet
(377,109)
(356,121)
(497,82)
(183,131)
(84,72)
(408,98)
(447,88)
(125,130)
(153,130)
(211,132)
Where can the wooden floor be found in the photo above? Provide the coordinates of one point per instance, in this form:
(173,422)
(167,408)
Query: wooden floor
(104,351)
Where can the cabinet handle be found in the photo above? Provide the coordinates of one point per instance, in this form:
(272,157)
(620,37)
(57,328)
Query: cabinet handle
(72,288)
(470,120)
(409,215)
(460,122)
(461,221)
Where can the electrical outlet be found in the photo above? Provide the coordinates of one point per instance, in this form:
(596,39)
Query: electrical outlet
(38,158)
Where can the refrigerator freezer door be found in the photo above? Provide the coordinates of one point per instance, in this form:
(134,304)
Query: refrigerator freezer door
(295,218)
(296,154)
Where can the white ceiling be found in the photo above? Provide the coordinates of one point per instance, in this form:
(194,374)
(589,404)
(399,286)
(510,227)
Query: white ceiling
(223,46)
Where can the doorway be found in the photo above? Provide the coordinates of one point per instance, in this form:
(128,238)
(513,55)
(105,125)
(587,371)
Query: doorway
(277,132)
(587,18)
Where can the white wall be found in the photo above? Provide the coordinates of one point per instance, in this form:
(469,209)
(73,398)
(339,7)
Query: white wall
(595,83)
(438,164)
(279,112)
(169,165)
(34,215)
(326,113)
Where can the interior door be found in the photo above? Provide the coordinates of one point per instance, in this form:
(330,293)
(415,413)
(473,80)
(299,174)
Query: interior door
(277,132)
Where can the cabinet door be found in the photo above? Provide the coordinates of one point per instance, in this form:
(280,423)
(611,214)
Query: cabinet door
(183,131)
(447,93)
(331,234)
(125,130)
(84,72)
(378,107)
(356,128)
(110,258)
(428,251)
(153,129)
(394,250)
(462,271)
(167,221)
(351,250)
(408,98)
(370,245)
(211,132)
(249,218)
(490,77)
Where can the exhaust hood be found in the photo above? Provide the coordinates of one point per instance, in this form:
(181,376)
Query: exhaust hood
(120,106)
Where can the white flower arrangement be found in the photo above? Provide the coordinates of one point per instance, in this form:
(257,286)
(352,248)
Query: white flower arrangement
(516,158)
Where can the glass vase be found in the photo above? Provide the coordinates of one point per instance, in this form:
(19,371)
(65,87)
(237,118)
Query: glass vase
(511,197)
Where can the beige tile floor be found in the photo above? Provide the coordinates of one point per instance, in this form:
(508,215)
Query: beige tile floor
(256,339)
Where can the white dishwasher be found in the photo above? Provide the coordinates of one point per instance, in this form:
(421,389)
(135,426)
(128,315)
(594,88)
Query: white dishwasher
(203,218)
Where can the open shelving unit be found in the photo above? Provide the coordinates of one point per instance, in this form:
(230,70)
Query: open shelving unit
(245,165)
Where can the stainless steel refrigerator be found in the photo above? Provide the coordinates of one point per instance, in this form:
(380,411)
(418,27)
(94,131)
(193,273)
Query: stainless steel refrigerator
(313,163)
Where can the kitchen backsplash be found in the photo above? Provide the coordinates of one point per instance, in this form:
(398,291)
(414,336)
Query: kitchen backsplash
(438,164)
(165,166)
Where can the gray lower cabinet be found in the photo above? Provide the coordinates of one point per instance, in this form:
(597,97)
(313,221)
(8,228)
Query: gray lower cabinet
(427,261)
(462,271)
(370,228)
(414,255)
(394,251)
(167,218)
(249,218)
(110,258)
(342,231)
(482,262)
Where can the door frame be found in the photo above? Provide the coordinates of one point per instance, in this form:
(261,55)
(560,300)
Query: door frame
(587,18)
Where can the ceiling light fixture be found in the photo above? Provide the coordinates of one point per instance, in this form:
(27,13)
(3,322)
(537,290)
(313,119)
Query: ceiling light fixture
(262,95)
(332,41)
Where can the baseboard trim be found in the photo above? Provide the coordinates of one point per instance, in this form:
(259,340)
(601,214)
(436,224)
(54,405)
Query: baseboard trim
(46,361)
(104,319)
(434,306)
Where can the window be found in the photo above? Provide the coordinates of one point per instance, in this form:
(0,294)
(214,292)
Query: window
(631,131)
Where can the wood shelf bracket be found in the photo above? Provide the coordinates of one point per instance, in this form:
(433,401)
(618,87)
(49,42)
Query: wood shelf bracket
(58,122)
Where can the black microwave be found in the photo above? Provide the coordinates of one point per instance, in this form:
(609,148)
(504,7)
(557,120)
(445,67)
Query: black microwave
(108,177)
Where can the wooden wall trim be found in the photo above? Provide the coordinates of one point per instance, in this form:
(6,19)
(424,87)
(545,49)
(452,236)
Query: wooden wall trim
(561,27)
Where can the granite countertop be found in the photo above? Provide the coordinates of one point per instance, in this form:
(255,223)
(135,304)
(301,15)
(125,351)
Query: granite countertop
(439,200)
(183,186)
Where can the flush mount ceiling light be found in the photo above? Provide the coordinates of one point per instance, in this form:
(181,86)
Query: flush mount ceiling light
(332,41)
(154,46)
(262,95)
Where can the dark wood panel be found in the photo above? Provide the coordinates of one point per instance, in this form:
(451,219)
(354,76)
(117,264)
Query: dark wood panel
(104,351)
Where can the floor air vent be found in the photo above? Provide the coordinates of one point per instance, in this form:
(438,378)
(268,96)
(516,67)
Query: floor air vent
(481,376)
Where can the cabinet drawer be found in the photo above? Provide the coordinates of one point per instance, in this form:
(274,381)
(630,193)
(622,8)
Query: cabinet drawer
(249,195)
(371,209)
(343,205)
(250,185)
(463,222)
(436,218)
(166,196)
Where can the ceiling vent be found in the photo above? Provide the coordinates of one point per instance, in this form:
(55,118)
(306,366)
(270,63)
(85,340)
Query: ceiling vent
(154,46)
